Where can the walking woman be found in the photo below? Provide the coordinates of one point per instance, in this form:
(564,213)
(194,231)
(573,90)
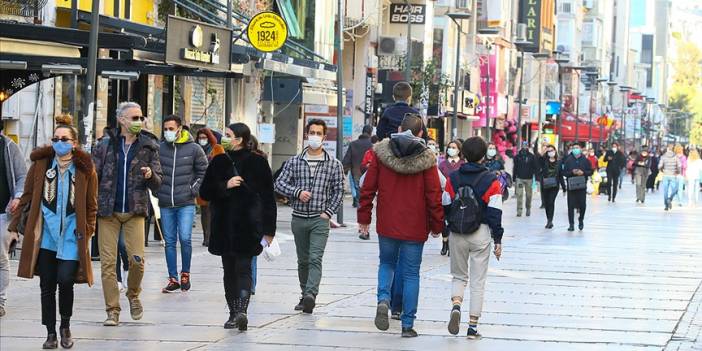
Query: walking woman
(239,187)
(551,180)
(641,171)
(451,163)
(693,174)
(61,192)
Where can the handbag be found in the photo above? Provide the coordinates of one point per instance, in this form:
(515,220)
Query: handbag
(577,183)
(24,218)
(550,183)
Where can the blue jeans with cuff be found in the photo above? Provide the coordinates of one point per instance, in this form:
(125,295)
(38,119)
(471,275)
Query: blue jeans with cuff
(405,256)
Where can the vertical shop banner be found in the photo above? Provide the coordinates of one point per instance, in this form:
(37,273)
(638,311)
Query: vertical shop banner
(369,95)
(488,65)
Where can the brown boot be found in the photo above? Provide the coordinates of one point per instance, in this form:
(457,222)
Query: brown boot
(51,342)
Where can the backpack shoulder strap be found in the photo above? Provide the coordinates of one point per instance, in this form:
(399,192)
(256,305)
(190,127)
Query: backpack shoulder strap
(479,178)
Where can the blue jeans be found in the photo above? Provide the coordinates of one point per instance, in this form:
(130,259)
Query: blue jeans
(122,258)
(670,188)
(681,184)
(355,190)
(253,274)
(177,224)
(396,291)
(406,256)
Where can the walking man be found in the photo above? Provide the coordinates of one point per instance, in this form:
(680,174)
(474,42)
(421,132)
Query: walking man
(184,164)
(525,167)
(671,167)
(404,170)
(127,164)
(576,169)
(616,165)
(314,183)
(13,172)
(471,249)
(352,160)
(395,113)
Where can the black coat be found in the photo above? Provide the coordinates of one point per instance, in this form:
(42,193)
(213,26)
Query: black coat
(232,230)
(525,165)
(615,162)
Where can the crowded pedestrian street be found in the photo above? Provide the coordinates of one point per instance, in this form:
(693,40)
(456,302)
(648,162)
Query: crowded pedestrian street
(629,281)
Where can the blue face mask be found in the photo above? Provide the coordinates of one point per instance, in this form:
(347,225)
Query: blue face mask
(577,152)
(62,148)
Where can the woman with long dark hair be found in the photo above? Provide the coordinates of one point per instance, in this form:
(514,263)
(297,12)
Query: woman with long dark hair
(239,187)
(452,161)
(61,195)
(551,180)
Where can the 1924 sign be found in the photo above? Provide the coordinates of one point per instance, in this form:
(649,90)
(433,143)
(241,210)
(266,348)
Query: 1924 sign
(399,13)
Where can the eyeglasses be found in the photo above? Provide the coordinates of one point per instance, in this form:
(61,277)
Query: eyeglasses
(63,139)
(138,118)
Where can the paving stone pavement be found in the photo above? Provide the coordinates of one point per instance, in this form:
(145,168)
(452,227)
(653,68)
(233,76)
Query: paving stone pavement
(629,281)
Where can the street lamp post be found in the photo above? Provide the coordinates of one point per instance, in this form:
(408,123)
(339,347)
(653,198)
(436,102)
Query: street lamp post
(521,46)
(560,61)
(456,17)
(593,86)
(339,96)
(408,64)
(624,89)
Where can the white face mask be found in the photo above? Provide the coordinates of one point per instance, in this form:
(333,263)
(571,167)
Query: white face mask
(551,154)
(452,152)
(491,152)
(432,147)
(170,135)
(203,142)
(315,141)
(614,149)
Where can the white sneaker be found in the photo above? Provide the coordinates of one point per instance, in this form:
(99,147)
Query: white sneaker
(121,287)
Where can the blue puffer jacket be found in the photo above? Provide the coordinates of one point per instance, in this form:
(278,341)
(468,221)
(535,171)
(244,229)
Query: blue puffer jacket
(184,165)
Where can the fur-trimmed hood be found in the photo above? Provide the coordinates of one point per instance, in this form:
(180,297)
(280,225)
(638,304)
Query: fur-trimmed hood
(81,159)
(405,155)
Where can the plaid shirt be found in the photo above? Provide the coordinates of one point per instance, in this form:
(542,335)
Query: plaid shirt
(326,185)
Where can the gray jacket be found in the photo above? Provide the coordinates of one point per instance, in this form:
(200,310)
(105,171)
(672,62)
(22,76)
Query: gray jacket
(670,164)
(184,165)
(14,163)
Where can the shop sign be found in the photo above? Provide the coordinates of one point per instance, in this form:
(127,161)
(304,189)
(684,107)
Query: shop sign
(267,31)
(196,44)
(399,13)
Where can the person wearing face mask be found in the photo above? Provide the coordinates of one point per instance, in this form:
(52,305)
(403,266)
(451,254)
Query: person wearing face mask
(615,162)
(239,185)
(208,141)
(576,168)
(523,172)
(642,169)
(61,196)
(451,162)
(314,183)
(352,160)
(184,164)
(127,164)
(551,179)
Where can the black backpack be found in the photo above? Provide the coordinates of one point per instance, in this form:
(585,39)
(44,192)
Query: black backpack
(466,213)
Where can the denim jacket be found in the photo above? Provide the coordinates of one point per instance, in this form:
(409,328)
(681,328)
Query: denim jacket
(58,210)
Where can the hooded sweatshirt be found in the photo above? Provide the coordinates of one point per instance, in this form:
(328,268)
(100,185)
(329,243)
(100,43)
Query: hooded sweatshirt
(404,176)
(184,165)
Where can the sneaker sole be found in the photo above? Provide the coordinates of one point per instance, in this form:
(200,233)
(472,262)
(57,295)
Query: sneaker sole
(454,322)
(381,317)
(137,317)
(308,304)
(110,324)
(474,337)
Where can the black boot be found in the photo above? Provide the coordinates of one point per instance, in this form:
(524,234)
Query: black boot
(242,320)
(233,310)
(444,248)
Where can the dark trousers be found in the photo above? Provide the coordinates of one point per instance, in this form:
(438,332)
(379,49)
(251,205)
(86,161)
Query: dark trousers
(237,276)
(576,199)
(549,201)
(613,184)
(94,246)
(53,272)
(446,231)
(205,218)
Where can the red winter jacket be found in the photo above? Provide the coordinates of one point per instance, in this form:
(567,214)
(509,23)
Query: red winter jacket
(404,176)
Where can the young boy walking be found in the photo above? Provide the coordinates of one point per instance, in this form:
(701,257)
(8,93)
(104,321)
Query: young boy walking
(475,220)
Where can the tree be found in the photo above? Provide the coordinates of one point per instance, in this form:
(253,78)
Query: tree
(686,90)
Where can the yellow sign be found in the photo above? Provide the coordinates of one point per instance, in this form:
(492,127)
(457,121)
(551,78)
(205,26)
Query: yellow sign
(267,31)
(433,133)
